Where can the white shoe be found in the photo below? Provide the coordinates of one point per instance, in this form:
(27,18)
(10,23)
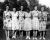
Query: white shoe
(27,37)
(13,37)
(40,38)
(35,38)
(44,38)
(8,38)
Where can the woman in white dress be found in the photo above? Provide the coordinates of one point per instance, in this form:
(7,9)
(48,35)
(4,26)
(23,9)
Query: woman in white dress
(15,23)
(21,20)
(43,22)
(35,21)
(14,20)
(27,24)
(7,22)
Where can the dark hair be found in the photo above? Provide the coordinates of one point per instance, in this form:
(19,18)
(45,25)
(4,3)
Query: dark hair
(44,7)
(35,6)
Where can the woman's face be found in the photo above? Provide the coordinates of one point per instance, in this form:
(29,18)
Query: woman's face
(21,8)
(7,7)
(14,9)
(42,8)
(35,7)
(18,0)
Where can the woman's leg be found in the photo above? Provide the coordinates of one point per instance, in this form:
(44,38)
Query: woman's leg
(44,35)
(13,34)
(33,35)
(40,35)
(27,34)
(6,34)
(22,33)
(36,35)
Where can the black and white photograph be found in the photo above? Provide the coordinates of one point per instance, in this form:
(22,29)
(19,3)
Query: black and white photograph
(24,19)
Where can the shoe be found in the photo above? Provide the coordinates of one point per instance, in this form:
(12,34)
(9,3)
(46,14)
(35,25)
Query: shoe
(44,38)
(35,38)
(40,38)
(13,37)
(27,37)
(7,38)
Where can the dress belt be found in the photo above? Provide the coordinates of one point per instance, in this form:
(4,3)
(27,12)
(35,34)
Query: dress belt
(35,16)
(27,17)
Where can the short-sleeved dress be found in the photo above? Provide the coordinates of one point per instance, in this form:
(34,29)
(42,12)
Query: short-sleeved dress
(21,20)
(7,20)
(44,22)
(35,20)
(27,22)
(15,24)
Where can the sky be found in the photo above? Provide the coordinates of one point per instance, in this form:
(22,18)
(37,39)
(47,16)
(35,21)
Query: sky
(42,2)
(2,0)
(45,2)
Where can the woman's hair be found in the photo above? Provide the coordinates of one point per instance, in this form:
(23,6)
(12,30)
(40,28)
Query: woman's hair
(35,6)
(44,8)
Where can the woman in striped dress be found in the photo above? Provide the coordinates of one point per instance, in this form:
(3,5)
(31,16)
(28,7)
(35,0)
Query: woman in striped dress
(7,22)
(43,22)
(35,21)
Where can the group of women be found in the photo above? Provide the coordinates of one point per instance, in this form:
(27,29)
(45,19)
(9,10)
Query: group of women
(21,20)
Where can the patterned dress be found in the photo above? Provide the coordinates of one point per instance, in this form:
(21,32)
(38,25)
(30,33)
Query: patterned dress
(43,22)
(21,20)
(27,22)
(15,25)
(17,21)
(7,20)
(35,20)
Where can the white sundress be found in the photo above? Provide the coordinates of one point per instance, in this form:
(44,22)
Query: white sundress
(17,21)
(27,22)
(15,25)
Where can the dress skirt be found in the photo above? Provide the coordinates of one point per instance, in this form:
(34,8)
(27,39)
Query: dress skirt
(42,26)
(7,24)
(15,25)
(35,23)
(27,24)
(21,23)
